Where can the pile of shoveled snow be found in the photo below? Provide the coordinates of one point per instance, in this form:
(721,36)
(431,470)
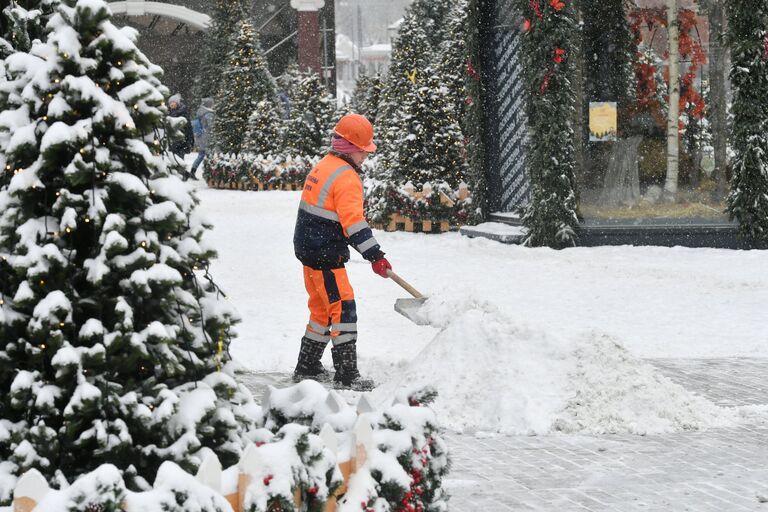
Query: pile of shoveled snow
(495,374)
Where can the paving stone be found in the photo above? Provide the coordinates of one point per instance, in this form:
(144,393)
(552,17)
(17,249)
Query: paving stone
(718,470)
(721,470)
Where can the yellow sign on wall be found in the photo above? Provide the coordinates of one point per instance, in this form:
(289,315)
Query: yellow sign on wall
(603,121)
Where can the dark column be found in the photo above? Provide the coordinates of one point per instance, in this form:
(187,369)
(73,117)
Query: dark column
(310,55)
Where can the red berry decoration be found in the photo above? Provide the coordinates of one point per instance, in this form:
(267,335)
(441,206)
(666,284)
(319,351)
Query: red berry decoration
(527,25)
(267,479)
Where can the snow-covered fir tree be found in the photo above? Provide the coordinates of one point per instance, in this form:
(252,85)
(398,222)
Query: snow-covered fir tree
(452,63)
(548,66)
(433,16)
(431,146)
(112,336)
(419,124)
(19,26)
(410,58)
(265,132)
(746,37)
(246,82)
(365,99)
(312,116)
(22,24)
(218,42)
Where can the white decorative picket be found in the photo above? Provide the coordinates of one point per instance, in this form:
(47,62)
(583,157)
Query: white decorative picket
(32,487)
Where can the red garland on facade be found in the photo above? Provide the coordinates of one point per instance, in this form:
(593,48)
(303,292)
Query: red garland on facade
(559,55)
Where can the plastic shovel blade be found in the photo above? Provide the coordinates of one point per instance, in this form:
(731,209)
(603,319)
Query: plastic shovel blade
(411,309)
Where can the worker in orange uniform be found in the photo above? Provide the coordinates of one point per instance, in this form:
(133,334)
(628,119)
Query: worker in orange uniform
(330,219)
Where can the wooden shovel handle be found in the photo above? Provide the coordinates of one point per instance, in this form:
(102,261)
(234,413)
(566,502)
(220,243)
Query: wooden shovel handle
(407,287)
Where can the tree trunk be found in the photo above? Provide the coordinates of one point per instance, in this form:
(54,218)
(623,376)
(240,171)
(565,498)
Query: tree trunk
(673,131)
(718,95)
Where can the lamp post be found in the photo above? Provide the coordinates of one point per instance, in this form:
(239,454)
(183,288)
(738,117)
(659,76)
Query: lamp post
(309,33)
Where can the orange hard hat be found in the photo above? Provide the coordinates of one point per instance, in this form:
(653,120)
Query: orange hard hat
(358,130)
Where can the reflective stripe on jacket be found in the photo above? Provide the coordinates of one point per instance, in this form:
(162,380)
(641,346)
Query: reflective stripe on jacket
(331,216)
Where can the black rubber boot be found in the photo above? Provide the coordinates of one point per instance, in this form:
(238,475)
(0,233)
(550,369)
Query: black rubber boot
(309,365)
(336,357)
(347,376)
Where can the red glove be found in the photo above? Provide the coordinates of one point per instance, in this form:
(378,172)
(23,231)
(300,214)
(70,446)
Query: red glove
(381,266)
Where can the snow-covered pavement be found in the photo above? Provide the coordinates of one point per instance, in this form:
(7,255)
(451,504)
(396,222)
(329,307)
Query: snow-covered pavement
(538,341)
(717,470)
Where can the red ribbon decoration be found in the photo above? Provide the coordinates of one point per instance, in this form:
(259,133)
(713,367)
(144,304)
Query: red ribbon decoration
(765,48)
(545,82)
(471,71)
(537,9)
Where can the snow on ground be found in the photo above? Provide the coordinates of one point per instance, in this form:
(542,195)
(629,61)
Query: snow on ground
(514,378)
(535,339)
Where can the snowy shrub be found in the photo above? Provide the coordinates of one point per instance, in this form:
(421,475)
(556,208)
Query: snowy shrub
(101,490)
(175,490)
(104,490)
(273,171)
(293,463)
(383,199)
(409,458)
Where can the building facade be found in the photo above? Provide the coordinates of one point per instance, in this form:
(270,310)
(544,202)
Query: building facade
(621,169)
(171,33)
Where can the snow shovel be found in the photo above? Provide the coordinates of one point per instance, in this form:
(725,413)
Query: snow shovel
(409,308)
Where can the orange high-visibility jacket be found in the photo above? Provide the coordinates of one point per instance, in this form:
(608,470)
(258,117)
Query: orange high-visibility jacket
(331,217)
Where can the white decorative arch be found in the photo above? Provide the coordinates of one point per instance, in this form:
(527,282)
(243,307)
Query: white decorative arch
(141,7)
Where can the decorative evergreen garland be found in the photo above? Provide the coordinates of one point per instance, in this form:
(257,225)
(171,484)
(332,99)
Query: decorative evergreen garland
(747,37)
(474,123)
(548,45)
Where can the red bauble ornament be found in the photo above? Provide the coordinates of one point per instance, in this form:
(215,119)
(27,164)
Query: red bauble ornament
(527,25)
